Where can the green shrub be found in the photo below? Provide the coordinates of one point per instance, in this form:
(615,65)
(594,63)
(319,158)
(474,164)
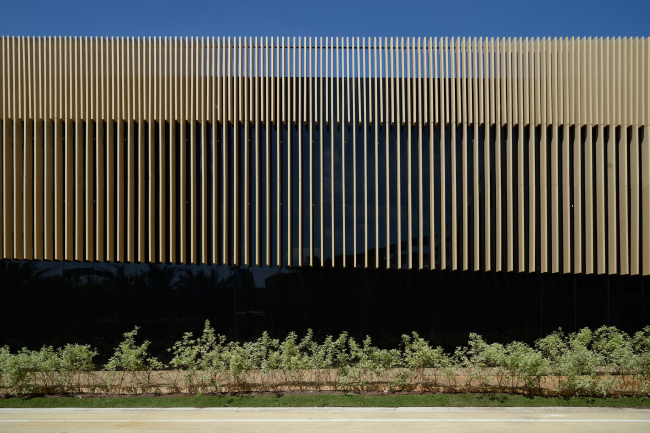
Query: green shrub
(46,370)
(424,362)
(131,368)
(525,367)
(576,366)
(17,372)
(588,363)
(641,345)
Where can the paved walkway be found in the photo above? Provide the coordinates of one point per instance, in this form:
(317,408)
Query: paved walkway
(380,420)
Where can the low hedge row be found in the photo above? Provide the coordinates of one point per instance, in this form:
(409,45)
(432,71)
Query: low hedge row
(603,362)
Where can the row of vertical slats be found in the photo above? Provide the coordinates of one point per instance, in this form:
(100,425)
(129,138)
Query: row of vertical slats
(65,99)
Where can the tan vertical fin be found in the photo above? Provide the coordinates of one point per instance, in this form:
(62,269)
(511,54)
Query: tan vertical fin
(645,156)
(48,145)
(587,101)
(37,116)
(453,79)
(28,149)
(69,169)
(600,158)
(509,83)
(464,122)
(543,164)
(499,99)
(578,158)
(623,161)
(636,97)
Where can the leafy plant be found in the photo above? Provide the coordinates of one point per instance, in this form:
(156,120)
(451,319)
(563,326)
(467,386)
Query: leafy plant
(589,363)
(131,368)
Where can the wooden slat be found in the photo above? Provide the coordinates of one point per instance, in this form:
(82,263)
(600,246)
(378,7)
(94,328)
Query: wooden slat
(530,62)
(454,80)
(48,145)
(225,121)
(354,127)
(99,116)
(543,177)
(279,118)
(344,97)
(576,105)
(88,172)
(387,77)
(519,75)
(246,102)
(7,166)
(193,102)
(18,179)
(110,150)
(290,120)
(490,120)
(119,151)
(432,55)
(444,121)
(217,117)
(398,123)
(599,81)
(203,118)
(464,122)
(611,109)
(321,118)
(37,116)
(78,149)
(636,95)
(333,109)
(552,77)
(565,169)
(28,150)
(623,161)
(420,79)
(364,125)
(499,98)
(375,121)
(184,94)
(130,151)
(477,111)
(644,116)
(3,140)
(586,75)
(267,114)
(69,216)
(245,105)
(256,118)
(510,111)
(173,116)
(140,113)
(151,56)
(409,164)
(300,80)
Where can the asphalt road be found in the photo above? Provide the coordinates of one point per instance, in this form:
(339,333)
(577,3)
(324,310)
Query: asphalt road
(377,420)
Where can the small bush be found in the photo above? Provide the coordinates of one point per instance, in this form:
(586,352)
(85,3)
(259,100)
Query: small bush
(603,362)
(131,368)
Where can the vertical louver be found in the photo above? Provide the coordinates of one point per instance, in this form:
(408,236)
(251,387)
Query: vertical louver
(524,155)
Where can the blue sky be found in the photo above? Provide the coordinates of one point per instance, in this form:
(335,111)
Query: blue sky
(327,18)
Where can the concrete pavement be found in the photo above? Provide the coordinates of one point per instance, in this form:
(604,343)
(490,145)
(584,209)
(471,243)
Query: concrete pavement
(380,420)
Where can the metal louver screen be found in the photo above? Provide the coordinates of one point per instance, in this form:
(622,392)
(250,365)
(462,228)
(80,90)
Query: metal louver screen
(525,155)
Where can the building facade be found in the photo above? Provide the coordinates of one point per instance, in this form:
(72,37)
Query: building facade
(500,155)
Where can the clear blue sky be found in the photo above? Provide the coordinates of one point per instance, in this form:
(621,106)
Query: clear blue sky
(326,18)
